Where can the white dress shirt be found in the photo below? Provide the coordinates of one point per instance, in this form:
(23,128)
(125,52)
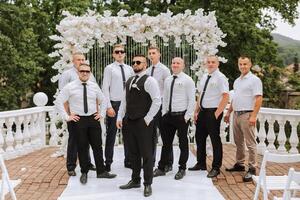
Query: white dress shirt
(245,90)
(151,87)
(73,93)
(161,72)
(217,86)
(183,96)
(70,75)
(113,81)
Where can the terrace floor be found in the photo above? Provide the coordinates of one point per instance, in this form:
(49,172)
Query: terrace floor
(43,177)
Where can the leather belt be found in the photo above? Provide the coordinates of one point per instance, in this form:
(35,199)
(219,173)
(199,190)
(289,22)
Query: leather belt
(208,109)
(177,113)
(242,112)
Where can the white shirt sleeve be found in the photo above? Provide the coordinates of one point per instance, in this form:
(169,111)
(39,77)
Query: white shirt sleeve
(103,102)
(122,108)
(151,87)
(63,81)
(165,98)
(62,97)
(106,85)
(223,85)
(257,88)
(190,92)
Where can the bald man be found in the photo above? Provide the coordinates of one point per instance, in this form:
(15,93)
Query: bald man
(177,110)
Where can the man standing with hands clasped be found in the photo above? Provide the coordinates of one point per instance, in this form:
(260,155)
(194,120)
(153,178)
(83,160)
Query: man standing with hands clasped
(83,97)
(114,80)
(214,95)
(178,107)
(246,102)
(139,105)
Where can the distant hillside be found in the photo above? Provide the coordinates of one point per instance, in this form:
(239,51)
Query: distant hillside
(288,48)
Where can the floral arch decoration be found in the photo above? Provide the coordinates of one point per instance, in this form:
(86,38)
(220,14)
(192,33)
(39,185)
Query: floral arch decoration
(80,33)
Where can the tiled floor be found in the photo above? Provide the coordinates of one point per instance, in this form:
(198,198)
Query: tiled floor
(44,177)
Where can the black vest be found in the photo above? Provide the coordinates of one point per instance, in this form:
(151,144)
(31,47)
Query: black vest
(138,102)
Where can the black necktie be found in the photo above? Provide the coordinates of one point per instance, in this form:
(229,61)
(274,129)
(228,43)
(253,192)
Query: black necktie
(152,71)
(204,90)
(134,80)
(171,93)
(85,104)
(123,76)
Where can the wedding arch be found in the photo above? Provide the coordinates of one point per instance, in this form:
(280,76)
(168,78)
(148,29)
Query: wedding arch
(80,33)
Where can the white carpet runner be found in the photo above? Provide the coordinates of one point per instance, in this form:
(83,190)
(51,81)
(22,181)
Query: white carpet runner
(194,185)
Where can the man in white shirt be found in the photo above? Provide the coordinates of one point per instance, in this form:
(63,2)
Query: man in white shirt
(139,105)
(214,95)
(66,77)
(83,97)
(160,72)
(177,110)
(246,103)
(114,80)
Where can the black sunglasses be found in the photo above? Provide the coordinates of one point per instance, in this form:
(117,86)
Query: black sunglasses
(136,62)
(85,71)
(119,51)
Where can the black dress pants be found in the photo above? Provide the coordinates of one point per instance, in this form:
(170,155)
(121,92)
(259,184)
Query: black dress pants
(111,131)
(140,140)
(72,149)
(207,124)
(88,132)
(171,124)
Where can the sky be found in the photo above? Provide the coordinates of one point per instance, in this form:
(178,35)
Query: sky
(288,30)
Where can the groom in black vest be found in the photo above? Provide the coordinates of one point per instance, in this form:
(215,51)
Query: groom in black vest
(138,107)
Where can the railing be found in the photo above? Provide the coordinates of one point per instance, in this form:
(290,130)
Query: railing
(23,131)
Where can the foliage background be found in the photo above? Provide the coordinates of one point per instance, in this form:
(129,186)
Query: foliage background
(25,27)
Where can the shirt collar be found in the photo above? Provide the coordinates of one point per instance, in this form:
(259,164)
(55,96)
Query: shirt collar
(117,63)
(178,75)
(157,64)
(140,74)
(215,72)
(247,75)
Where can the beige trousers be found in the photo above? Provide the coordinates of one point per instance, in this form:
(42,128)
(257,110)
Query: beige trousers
(244,134)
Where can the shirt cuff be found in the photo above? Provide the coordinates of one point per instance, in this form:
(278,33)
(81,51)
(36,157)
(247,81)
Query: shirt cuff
(148,120)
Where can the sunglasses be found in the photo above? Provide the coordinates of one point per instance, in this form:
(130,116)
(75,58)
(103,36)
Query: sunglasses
(84,71)
(136,62)
(119,51)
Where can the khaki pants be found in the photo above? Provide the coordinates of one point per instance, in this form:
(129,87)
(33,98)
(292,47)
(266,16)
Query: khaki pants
(244,134)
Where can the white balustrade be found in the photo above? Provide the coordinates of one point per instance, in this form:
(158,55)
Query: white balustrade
(261,134)
(19,135)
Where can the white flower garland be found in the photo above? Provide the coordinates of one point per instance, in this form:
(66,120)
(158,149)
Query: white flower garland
(80,33)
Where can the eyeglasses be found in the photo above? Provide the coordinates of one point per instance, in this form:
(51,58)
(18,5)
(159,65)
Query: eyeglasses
(136,62)
(119,51)
(84,71)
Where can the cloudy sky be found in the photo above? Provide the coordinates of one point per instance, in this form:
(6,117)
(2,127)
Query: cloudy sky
(288,30)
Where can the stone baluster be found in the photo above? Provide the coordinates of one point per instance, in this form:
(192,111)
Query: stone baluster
(271,134)
(9,140)
(53,130)
(261,134)
(1,136)
(26,134)
(281,135)
(223,132)
(19,135)
(33,131)
(294,139)
(38,130)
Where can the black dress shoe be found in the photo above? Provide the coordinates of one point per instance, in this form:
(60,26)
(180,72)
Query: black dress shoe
(157,172)
(147,191)
(180,174)
(72,173)
(107,168)
(236,168)
(196,168)
(106,175)
(168,168)
(249,174)
(92,167)
(83,178)
(213,173)
(131,184)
